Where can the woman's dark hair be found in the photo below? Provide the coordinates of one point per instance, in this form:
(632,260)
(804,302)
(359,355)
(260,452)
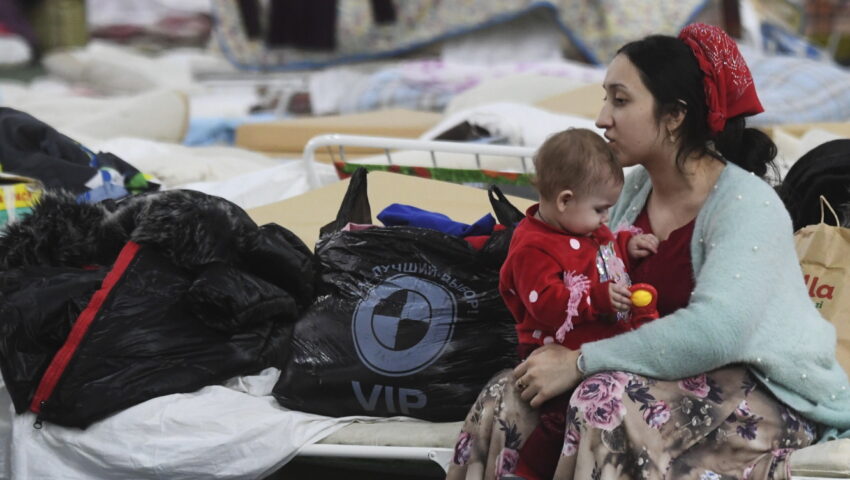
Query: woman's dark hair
(671,73)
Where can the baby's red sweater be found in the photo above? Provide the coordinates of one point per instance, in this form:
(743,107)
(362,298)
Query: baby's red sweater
(556,284)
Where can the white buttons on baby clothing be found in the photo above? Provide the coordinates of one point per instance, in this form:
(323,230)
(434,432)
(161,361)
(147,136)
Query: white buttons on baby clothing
(575,244)
(532,296)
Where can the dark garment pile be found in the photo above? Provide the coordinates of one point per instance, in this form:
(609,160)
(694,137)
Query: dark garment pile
(307,24)
(32,148)
(104,306)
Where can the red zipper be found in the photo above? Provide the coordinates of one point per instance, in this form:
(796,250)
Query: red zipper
(63,356)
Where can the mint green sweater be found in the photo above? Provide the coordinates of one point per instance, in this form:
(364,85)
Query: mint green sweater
(750,305)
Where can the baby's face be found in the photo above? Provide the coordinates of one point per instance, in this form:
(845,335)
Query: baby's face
(586,212)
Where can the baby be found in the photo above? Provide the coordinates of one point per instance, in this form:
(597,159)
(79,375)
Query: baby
(565,279)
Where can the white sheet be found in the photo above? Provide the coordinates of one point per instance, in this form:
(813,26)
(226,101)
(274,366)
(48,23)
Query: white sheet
(110,69)
(232,431)
(520,124)
(266,186)
(790,147)
(156,114)
(176,165)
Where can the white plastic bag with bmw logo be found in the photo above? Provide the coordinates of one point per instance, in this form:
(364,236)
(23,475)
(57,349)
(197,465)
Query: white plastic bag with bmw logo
(408,321)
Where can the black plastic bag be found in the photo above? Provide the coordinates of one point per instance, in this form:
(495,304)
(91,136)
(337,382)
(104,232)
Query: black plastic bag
(408,321)
(824,170)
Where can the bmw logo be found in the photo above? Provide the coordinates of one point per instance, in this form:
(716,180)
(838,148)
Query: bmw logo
(403,325)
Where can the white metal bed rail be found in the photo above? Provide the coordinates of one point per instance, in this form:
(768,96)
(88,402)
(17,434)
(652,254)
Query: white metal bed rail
(387,144)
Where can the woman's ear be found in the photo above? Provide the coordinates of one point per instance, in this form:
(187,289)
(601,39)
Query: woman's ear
(675,118)
(563,198)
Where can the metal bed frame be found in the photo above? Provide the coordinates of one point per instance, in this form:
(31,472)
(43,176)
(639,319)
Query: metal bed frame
(478,153)
(337,445)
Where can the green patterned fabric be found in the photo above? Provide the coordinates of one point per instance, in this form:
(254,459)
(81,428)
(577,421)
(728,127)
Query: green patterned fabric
(453,175)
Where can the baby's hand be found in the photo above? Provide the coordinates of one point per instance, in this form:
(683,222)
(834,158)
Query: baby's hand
(621,297)
(643,245)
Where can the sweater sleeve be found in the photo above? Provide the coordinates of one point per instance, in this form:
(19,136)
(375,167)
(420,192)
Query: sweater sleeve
(556,295)
(742,244)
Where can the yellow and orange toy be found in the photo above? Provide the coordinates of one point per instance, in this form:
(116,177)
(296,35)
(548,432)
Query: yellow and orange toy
(644,303)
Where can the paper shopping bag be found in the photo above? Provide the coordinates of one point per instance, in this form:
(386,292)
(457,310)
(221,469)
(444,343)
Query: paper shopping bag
(824,253)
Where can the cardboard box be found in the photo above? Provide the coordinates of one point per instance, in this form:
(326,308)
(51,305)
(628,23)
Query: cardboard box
(306,214)
(288,137)
(584,101)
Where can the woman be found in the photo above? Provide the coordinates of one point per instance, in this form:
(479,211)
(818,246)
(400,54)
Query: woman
(740,370)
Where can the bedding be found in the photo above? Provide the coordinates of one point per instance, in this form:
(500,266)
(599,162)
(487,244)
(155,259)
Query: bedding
(235,430)
(798,90)
(596,28)
(429,84)
(265,186)
(176,165)
(516,123)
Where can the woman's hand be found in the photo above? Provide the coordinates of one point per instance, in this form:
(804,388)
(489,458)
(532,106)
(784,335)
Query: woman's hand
(548,372)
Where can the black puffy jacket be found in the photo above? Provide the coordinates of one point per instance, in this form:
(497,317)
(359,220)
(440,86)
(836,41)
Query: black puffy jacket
(105,306)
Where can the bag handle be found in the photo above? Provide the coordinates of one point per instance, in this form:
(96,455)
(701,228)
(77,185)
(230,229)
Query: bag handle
(505,211)
(355,205)
(824,201)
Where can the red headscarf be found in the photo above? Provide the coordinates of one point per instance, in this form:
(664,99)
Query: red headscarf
(729,88)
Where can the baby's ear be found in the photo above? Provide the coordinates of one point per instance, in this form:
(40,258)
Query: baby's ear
(564,197)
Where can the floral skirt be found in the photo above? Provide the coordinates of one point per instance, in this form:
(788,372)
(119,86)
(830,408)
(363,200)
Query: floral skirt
(619,425)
